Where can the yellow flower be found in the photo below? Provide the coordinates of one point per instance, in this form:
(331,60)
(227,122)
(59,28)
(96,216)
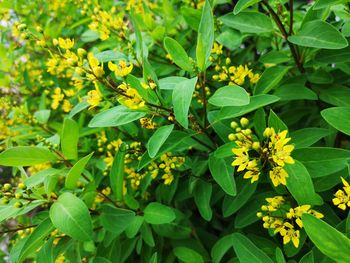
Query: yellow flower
(65,43)
(122,69)
(67,106)
(168,178)
(217,49)
(242,158)
(94,97)
(278,176)
(341,199)
(282,156)
(131,98)
(253,171)
(290,234)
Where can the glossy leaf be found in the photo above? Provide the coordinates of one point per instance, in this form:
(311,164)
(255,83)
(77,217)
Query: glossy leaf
(69,139)
(188,255)
(269,79)
(243,4)
(229,96)
(71,216)
(177,53)
(116,220)
(75,172)
(249,22)
(156,213)
(158,138)
(26,156)
(116,175)
(338,117)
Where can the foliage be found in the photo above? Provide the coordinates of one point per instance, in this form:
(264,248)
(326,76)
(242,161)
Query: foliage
(174,130)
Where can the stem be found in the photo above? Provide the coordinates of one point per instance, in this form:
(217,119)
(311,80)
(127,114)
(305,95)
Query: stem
(16,229)
(202,84)
(285,36)
(291,14)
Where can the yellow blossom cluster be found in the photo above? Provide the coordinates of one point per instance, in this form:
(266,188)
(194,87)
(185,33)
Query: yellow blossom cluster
(107,22)
(279,216)
(198,4)
(147,123)
(227,72)
(253,157)
(122,69)
(342,197)
(130,98)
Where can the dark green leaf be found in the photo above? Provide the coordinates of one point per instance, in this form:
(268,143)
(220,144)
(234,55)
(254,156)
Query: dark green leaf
(338,117)
(269,79)
(188,255)
(156,213)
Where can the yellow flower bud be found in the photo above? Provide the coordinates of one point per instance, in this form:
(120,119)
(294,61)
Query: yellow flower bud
(234,124)
(244,122)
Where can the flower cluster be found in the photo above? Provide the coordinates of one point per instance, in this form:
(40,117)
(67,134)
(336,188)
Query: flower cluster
(227,72)
(342,197)
(284,219)
(130,98)
(254,157)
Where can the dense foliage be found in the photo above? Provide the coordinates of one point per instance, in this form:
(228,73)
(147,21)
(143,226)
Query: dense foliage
(174,131)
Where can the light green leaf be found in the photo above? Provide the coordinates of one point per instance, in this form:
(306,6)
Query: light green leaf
(26,156)
(110,55)
(322,161)
(178,54)
(319,34)
(36,239)
(42,116)
(169,83)
(78,108)
(230,96)
(269,79)
(71,216)
(156,213)
(306,137)
(116,220)
(158,138)
(69,139)
(116,175)
(202,194)
(182,97)
(205,37)
(300,185)
(247,251)
(319,4)
(116,116)
(75,172)
(248,22)
(327,239)
(188,255)
(243,4)
(338,117)
(223,174)
(256,102)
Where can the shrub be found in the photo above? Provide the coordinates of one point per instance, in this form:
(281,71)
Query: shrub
(165,131)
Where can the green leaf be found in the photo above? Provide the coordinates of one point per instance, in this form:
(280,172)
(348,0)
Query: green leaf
(326,3)
(36,239)
(115,116)
(319,34)
(178,54)
(275,122)
(256,102)
(169,83)
(110,55)
(322,161)
(230,38)
(280,256)
(245,190)
(188,255)
(294,90)
(205,37)
(300,185)
(182,97)
(71,216)
(306,137)
(223,174)
(116,175)
(336,95)
(116,220)
(221,247)
(78,108)
(248,22)
(26,156)
(156,213)
(274,57)
(158,138)
(42,116)
(243,4)
(39,177)
(230,96)
(329,56)
(46,252)
(132,230)
(75,172)
(192,16)
(307,258)
(202,194)
(247,252)
(269,79)
(69,139)
(338,117)
(327,239)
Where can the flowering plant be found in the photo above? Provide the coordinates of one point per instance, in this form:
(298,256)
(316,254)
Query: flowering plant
(165,131)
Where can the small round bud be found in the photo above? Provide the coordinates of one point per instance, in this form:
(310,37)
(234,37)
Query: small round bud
(39,29)
(22,27)
(228,61)
(81,52)
(22,186)
(238,129)
(5,201)
(256,146)
(264,208)
(259,214)
(18,195)
(18,204)
(267,132)
(232,137)
(55,42)
(244,122)
(234,125)
(7,187)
